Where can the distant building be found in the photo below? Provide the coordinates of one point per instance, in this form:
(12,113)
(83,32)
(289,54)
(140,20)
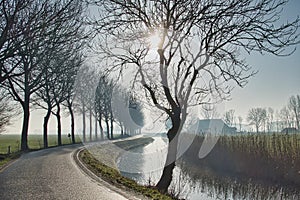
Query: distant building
(213,126)
(289,130)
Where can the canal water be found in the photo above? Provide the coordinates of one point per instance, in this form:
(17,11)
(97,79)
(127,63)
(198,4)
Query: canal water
(145,165)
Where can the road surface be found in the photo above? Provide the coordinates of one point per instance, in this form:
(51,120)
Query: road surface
(53,174)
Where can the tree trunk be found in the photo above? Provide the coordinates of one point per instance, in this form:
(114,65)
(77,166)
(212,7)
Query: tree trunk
(101,129)
(83,122)
(96,131)
(107,128)
(112,128)
(297,122)
(26,115)
(122,130)
(91,125)
(45,126)
(167,174)
(72,123)
(59,143)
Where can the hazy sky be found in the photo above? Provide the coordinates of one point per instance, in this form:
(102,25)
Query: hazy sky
(278,78)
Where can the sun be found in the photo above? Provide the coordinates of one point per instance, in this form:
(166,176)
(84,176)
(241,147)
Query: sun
(154,40)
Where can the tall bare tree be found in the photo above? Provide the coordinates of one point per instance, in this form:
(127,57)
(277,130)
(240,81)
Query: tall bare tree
(103,102)
(184,51)
(70,103)
(6,111)
(85,87)
(269,119)
(12,36)
(47,26)
(99,102)
(286,117)
(294,106)
(257,117)
(240,119)
(58,86)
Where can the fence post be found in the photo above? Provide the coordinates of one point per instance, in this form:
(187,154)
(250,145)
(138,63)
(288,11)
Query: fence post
(8,150)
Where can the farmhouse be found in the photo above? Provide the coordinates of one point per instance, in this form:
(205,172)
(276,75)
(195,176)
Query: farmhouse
(212,126)
(289,130)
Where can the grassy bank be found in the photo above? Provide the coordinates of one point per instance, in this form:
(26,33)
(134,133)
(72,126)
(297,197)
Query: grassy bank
(109,152)
(270,159)
(5,159)
(102,161)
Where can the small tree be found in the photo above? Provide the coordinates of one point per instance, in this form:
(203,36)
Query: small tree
(257,117)
(229,117)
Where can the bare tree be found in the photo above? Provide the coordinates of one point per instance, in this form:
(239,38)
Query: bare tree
(119,105)
(99,107)
(136,113)
(6,111)
(127,111)
(99,101)
(58,85)
(209,111)
(70,102)
(65,73)
(240,122)
(196,54)
(269,119)
(257,117)
(103,102)
(47,26)
(85,93)
(286,117)
(294,106)
(229,117)
(12,36)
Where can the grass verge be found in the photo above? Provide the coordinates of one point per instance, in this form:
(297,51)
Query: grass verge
(111,174)
(35,142)
(6,159)
(10,146)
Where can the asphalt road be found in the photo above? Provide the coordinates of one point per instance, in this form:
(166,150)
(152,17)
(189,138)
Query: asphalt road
(53,174)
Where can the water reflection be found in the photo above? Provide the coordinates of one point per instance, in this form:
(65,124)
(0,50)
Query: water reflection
(145,165)
(201,181)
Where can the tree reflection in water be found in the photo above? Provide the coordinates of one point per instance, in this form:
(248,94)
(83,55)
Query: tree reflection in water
(205,181)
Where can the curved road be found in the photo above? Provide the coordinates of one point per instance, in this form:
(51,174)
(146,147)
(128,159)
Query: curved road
(53,174)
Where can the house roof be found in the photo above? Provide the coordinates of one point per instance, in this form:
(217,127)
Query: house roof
(211,125)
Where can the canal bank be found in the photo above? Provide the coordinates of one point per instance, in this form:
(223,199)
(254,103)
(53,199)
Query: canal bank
(101,158)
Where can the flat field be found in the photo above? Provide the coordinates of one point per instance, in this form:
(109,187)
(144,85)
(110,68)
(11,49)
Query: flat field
(34,142)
